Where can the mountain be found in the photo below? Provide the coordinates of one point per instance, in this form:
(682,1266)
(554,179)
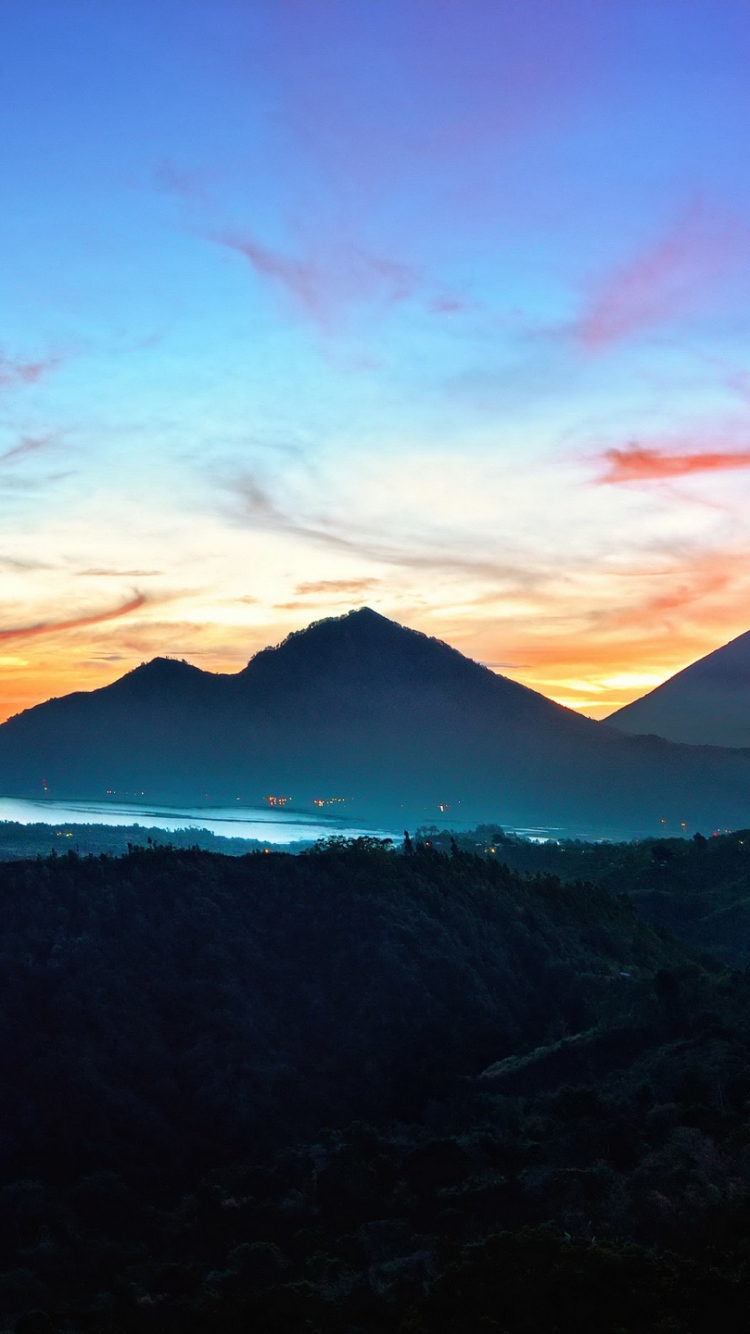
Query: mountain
(706,704)
(400,725)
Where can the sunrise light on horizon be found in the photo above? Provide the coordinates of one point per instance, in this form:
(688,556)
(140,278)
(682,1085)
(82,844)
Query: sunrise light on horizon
(438,307)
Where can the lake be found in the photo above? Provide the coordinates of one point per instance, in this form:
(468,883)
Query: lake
(277,826)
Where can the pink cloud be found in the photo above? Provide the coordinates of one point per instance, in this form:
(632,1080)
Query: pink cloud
(325,289)
(14,372)
(642,463)
(53,627)
(447,304)
(668,279)
(378,93)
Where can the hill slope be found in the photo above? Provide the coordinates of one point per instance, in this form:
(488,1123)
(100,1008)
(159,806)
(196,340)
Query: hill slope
(708,703)
(359,707)
(143,980)
(339,1093)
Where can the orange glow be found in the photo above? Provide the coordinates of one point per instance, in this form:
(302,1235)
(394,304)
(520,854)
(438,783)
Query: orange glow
(641,464)
(592,644)
(54,627)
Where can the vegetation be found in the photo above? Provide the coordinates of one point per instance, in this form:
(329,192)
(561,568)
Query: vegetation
(698,888)
(32,840)
(360,1090)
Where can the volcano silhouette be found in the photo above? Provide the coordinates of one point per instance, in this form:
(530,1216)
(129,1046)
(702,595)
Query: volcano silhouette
(397,723)
(708,703)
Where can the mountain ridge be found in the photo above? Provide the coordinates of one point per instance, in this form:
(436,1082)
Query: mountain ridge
(401,725)
(706,703)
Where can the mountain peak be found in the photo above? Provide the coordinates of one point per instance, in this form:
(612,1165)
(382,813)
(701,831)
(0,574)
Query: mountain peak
(357,707)
(364,614)
(707,703)
(361,641)
(159,675)
(163,669)
(358,619)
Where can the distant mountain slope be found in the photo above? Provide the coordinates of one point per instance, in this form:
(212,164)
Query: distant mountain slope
(708,703)
(359,707)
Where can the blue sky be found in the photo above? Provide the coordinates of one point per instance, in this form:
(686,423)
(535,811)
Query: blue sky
(439,306)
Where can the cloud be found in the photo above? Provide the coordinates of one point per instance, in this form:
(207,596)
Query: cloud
(704,575)
(18,564)
(261,512)
(121,574)
(185,182)
(739,382)
(642,463)
(14,372)
(493,665)
(54,627)
(447,304)
(27,445)
(337,586)
(669,278)
(386,96)
(324,289)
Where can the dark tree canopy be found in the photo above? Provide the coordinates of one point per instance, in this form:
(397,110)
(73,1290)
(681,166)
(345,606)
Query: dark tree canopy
(358,1090)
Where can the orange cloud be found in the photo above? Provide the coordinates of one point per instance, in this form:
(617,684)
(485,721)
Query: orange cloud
(337,586)
(120,574)
(641,463)
(53,627)
(710,575)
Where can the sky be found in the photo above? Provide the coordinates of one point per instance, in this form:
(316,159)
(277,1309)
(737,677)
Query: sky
(437,306)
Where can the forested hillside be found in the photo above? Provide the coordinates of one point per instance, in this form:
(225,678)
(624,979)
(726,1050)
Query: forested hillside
(362,1090)
(698,888)
(39,839)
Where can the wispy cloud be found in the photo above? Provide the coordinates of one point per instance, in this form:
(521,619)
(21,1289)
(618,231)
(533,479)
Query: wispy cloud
(669,278)
(739,382)
(188,183)
(324,287)
(120,574)
(337,586)
(643,463)
(76,623)
(700,578)
(20,564)
(28,444)
(448,304)
(259,510)
(14,372)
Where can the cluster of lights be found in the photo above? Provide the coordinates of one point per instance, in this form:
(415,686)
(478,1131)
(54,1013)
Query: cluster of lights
(278,801)
(328,801)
